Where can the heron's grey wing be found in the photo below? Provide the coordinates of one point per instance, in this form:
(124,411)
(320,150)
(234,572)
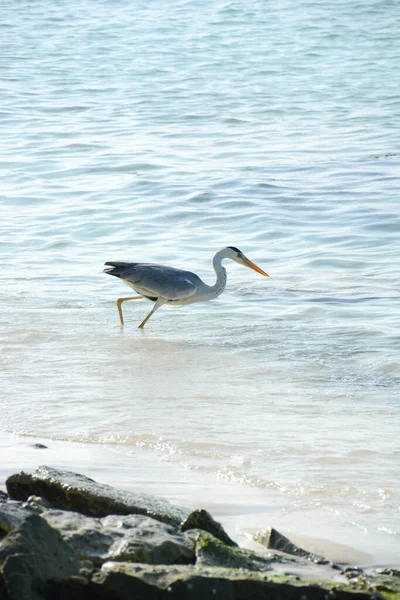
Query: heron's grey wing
(157,280)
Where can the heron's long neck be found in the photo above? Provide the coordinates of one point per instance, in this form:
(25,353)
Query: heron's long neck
(220,284)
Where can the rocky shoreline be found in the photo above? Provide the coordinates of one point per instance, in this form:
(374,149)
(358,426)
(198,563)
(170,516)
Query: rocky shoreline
(63,536)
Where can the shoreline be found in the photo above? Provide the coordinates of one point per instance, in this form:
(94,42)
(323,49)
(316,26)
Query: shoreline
(240,515)
(71,536)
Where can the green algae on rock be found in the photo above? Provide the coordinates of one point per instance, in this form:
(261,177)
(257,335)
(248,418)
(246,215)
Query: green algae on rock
(201,519)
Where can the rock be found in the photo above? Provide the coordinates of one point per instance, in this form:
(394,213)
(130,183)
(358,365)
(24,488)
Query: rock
(211,552)
(39,446)
(3,592)
(125,581)
(12,513)
(384,582)
(353,571)
(133,538)
(271,538)
(201,519)
(37,504)
(32,554)
(70,491)
(75,588)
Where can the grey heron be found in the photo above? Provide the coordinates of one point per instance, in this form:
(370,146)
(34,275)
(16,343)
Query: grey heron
(167,285)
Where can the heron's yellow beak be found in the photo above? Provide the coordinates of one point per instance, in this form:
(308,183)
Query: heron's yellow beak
(251,265)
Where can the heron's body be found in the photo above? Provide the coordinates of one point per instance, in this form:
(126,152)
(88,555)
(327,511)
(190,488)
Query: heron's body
(167,285)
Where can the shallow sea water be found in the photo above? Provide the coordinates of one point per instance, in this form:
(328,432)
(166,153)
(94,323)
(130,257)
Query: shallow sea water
(154,134)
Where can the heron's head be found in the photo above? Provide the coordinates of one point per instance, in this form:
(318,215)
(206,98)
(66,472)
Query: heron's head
(238,256)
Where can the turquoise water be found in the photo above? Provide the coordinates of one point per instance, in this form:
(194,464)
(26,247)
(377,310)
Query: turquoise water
(160,133)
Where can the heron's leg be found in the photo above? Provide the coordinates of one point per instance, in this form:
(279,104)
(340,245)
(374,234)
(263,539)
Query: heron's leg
(120,301)
(157,305)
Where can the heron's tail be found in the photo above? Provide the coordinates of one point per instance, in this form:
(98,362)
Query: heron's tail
(117,268)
